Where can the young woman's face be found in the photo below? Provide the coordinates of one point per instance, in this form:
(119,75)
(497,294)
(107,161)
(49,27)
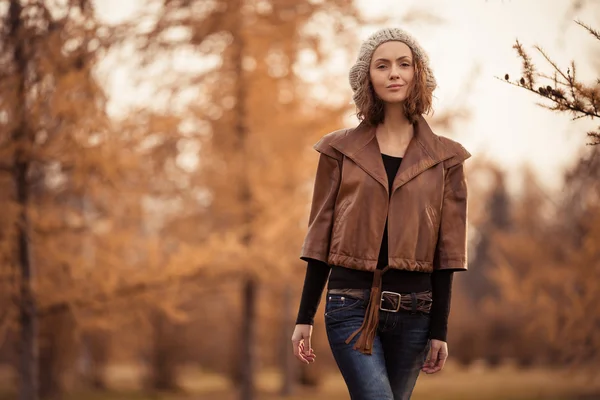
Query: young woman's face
(392,71)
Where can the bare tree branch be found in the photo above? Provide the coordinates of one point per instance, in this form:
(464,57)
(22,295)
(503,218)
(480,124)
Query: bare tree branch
(567,93)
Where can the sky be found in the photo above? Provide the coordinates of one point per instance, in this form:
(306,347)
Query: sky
(469,43)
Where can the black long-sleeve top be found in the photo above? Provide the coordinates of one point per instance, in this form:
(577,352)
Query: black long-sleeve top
(439,281)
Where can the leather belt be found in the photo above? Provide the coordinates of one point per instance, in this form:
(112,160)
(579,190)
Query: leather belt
(392,301)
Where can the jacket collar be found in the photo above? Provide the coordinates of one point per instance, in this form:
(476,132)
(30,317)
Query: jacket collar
(424,151)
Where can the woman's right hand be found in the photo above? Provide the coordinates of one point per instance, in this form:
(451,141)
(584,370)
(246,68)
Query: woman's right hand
(301,343)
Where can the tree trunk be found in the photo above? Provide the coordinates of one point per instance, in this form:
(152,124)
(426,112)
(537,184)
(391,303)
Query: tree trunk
(96,353)
(248,339)
(28,364)
(28,369)
(164,355)
(245,200)
(287,357)
(57,354)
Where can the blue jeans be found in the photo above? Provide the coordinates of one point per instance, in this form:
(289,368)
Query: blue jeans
(399,350)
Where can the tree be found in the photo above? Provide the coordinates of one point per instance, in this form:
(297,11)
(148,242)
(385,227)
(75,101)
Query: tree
(69,249)
(557,300)
(260,116)
(567,93)
(548,270)
(46,69)
(481,333)
(496,218)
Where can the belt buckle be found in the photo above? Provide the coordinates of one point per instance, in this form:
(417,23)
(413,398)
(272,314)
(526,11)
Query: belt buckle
(390,309)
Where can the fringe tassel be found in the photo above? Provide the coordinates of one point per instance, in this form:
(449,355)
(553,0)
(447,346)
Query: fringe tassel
(368,329)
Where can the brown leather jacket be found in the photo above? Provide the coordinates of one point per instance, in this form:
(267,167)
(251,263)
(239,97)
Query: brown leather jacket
(427,208)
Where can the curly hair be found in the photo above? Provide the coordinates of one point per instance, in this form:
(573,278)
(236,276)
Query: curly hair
(370,107)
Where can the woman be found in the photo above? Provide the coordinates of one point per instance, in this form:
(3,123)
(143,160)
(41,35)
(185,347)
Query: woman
(388,226)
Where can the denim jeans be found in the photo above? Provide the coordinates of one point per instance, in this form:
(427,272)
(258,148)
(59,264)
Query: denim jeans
(399,350)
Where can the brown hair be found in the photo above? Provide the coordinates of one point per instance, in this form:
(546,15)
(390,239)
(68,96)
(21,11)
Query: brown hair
(419,100)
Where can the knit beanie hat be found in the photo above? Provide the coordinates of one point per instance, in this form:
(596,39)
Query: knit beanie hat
(360,70)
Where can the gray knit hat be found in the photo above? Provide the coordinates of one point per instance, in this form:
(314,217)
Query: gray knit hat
(360,70)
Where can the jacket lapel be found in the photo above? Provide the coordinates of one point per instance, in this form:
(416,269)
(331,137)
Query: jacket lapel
(424,151)
(361,146)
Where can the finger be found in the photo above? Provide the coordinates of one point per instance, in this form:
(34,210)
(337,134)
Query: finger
(297,347)
(427,367)
(302,359)
(430,370)
(430,361)
(307,347)
(438,364)
(433,356)
(442,357)
(310,355)
(435,369)
(300,354)
(307,355)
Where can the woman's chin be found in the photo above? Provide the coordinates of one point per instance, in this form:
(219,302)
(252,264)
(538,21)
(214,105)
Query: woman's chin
(394,99)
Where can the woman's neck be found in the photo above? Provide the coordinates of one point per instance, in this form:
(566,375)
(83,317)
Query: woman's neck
(395,129)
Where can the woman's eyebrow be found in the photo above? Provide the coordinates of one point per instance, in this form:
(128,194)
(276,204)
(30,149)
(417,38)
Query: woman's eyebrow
(399,58)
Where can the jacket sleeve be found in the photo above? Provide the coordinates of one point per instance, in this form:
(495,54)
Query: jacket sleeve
(320,222)
(451,248)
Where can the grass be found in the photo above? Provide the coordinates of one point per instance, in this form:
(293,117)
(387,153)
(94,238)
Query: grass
(451,384)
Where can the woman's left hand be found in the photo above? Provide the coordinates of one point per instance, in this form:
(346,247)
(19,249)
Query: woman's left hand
(437,357)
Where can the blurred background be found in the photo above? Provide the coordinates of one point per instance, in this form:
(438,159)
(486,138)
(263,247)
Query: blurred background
(156,173)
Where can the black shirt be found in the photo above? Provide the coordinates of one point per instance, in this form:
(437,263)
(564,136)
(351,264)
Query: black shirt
(439,282)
